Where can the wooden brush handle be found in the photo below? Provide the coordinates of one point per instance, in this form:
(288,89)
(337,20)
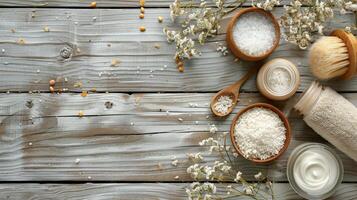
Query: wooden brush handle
(351,44)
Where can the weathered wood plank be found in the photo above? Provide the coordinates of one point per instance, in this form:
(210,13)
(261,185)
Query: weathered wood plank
(100,4)
(283,191)
(30,66)
(124,143)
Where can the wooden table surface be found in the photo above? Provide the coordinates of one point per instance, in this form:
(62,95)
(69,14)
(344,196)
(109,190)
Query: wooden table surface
(125,151)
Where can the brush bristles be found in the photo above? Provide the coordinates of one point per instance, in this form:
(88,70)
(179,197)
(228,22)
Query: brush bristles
(328,58)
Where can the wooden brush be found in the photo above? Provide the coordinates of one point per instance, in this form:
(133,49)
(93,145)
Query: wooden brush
(334,56)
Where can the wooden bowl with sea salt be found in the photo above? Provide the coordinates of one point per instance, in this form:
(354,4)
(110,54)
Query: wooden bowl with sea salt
(253,34)
(270,143)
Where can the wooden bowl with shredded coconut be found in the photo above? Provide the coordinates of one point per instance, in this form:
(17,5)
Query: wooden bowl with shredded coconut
(272,142)
(250,40)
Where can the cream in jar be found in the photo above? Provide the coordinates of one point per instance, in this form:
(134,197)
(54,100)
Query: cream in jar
(314,170)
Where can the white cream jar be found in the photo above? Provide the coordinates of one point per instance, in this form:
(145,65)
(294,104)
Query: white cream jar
(314,171)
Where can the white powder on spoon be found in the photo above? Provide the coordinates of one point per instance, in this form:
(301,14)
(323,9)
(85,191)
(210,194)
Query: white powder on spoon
(254,33)
(259,133)
(223,104)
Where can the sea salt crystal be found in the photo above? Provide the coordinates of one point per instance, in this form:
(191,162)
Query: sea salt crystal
(254,33)
(223,104)
(260,133)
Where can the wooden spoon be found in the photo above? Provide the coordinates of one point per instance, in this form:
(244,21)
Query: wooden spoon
(232,91)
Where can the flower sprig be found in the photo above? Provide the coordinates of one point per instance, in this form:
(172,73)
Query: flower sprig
(302,19)
(223,169)
(198,23)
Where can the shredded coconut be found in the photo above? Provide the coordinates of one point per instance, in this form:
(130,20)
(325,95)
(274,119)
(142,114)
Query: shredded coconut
(223,104)
(259,133)
(279,80)
(254,33)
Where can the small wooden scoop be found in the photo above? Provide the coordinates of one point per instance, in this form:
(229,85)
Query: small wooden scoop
(233,92)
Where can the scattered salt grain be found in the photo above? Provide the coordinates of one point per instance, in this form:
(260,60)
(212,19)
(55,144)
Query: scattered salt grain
(77,161)
(259,133)
(3,50)
(180,119)
(176,177)
(30,143)
(223,104)
(254,33)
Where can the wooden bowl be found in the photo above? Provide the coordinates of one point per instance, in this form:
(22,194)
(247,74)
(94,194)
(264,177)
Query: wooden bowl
(235,49)
(282,117)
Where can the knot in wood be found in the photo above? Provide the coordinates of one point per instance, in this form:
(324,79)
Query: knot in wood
(66,52)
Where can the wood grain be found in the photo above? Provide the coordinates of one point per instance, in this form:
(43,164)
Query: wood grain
(132,141)
(138,191)
(100,4)
(29,66)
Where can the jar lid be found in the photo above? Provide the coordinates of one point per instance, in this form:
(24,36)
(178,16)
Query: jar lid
(278,79)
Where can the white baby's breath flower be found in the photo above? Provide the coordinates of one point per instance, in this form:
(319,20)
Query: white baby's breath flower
(268,4)
(213,129)
(301,23)
(258,176)
(238,176)
(174,163)
(197,157)
(248,190)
